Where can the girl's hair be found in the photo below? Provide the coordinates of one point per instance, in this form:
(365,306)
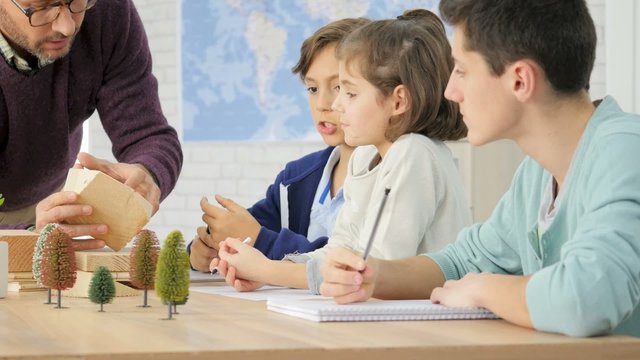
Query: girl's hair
(331,33)
(412,50)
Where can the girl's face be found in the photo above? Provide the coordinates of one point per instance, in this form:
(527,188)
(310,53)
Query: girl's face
(321,81)
(365,113)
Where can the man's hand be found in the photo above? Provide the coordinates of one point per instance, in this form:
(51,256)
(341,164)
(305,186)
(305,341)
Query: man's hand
(232,221)
(60,206)
(201,252)
(135,176)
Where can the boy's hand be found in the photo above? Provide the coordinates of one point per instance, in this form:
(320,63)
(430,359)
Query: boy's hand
(201,252)
(461,293)
(232,220)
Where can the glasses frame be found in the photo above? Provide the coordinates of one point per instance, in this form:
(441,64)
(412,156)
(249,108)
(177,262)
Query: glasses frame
(28,12)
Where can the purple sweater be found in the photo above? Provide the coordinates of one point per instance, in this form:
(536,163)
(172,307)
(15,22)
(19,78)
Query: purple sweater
(41,115)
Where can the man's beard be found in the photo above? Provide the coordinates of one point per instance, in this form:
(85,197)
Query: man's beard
(14,35)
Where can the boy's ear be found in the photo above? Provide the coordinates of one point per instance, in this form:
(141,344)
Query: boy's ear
(523,78)
(401,100)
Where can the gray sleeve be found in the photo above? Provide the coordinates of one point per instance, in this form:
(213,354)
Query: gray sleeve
(314,278)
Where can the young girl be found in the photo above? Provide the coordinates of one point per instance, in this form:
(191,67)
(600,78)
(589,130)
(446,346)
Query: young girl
(393,74)
(300,208)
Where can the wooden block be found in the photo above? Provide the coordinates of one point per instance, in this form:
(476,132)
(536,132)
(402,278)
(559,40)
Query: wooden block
(19,276)
(120,275)
(83,281)
(19,286)
(118,206)
(21,244)
(114,261)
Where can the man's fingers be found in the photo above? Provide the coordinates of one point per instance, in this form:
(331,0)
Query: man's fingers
(88,244)
(91,162)
(93,230)
(57,199)
(60,214)
(154,198)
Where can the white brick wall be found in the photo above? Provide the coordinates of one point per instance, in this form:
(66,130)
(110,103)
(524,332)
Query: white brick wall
(241,171)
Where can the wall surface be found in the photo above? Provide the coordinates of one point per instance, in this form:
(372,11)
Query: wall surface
(241,171)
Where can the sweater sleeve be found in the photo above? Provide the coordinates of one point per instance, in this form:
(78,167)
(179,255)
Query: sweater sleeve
(128,101)
(275,245)
(596,284)
(267,212)
(487,247)
(273,240)
(15,226)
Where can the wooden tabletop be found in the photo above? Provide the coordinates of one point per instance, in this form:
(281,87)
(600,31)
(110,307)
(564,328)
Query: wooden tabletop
(211,326)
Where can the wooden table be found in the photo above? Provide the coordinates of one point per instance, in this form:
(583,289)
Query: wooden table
(211,326)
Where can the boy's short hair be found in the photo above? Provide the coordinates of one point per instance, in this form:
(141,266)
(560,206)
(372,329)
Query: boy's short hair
(559,35)
(331,33)
(412,50)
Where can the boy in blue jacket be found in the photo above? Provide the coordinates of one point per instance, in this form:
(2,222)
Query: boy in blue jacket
(301,206)
(561,251)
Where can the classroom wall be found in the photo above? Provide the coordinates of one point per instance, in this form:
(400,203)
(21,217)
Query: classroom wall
(241,171)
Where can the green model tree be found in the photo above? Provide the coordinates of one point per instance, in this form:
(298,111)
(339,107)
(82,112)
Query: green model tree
(58,263)
(37,257)
(172,278)
(1,200)
(143,261)
(102,289)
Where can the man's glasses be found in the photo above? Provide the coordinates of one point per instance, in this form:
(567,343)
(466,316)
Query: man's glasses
(45,15)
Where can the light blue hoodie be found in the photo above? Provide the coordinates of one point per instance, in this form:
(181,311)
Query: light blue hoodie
(586,265)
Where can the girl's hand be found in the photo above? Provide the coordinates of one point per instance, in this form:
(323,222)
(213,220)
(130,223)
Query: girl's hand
(229,273)
(347,278)
(249,263)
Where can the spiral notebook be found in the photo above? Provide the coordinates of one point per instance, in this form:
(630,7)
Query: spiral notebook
(325,309)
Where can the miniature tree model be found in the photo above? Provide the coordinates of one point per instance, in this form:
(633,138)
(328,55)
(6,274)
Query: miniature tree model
(102,288)
(144,258)
(37,256)
(172,278)
(58,264)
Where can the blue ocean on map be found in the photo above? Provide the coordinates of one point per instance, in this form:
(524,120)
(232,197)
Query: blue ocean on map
(236,60)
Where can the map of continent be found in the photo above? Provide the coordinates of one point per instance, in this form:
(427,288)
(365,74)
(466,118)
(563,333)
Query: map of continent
(236,60)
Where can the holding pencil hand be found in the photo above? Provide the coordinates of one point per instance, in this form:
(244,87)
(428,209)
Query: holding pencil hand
(347,277)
